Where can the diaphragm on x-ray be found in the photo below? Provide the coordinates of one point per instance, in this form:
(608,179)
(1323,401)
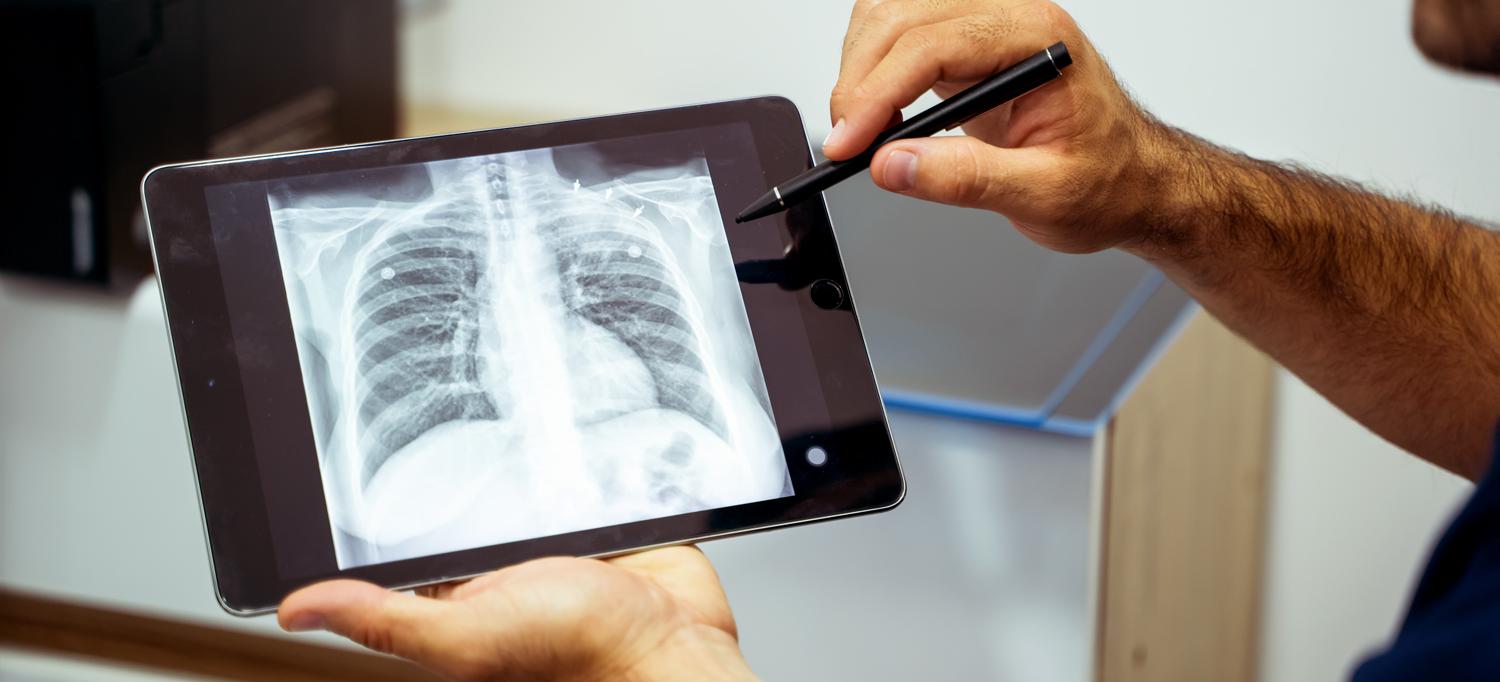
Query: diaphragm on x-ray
(523,344)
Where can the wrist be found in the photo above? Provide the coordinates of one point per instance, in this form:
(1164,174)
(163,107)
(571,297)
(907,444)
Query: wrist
(692,652)
(1176,175)
(1196,190)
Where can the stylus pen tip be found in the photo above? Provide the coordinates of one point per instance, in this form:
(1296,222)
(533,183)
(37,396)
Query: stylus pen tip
(769,203)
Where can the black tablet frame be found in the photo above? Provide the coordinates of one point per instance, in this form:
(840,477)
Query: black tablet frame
(813,355)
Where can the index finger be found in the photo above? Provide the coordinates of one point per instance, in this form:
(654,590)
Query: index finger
(874,27)
(967,48)
(851,32)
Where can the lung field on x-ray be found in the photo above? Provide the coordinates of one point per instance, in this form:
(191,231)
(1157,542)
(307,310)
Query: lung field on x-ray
(521,344)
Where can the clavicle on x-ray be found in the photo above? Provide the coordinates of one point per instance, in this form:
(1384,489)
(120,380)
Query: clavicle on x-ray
(519,345)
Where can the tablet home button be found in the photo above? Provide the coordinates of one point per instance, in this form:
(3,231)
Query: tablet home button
(817,456)
(827,294)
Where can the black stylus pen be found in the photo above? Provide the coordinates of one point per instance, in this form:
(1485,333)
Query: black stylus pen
(1036,71)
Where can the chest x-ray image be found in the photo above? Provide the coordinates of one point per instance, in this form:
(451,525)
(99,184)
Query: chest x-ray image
(522,344)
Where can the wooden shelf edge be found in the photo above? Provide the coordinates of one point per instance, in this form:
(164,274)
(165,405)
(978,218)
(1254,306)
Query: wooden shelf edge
(56,626)
(1182,542)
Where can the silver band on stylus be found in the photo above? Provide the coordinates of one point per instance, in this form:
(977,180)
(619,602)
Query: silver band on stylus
(1048,50)
(777,191)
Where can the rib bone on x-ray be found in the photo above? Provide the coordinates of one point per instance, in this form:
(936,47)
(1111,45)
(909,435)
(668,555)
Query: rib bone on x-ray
(495,351)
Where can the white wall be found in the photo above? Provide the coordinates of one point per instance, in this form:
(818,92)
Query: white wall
(1331,83)
(567,58)
(1352,520)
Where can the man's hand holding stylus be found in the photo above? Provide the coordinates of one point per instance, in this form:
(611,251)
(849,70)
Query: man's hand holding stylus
(1386,308)
(1070,164)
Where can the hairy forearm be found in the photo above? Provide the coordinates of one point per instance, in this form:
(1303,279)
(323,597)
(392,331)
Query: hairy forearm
(1390,310)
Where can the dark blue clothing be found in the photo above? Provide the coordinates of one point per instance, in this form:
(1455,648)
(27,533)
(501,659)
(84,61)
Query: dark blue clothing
(1452,631)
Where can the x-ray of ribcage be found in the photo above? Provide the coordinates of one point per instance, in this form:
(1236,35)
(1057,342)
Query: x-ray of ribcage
(505,347)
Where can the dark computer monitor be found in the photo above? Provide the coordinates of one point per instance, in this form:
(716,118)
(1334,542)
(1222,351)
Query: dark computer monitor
(97,92)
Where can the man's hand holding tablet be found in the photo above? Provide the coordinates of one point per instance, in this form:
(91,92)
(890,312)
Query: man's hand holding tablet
(655,615)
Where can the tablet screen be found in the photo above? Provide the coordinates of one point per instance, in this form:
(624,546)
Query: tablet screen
(522,344)
(419,360)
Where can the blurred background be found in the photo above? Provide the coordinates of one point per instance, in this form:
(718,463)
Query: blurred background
(1004,366)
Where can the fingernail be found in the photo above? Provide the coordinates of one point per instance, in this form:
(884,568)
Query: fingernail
(304,622)
(836,135)
(901,171)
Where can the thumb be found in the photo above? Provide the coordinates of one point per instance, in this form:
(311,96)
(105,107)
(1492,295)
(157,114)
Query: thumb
(390,622)
(961,171)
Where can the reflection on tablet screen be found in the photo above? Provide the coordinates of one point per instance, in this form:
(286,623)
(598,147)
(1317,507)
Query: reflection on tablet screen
(517,345)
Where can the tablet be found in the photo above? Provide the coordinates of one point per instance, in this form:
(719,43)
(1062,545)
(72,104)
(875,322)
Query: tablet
(420,360)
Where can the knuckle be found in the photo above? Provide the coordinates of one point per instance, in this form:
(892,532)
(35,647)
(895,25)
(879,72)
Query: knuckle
(725,621)
(918,41)
(885,15)
(388,630)
(842,97)
(372,635)
(1054,17)
(967,179)
(857,95)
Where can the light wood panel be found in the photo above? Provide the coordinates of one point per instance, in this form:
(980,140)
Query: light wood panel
(1184,508)
(417,120)
(55,626)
